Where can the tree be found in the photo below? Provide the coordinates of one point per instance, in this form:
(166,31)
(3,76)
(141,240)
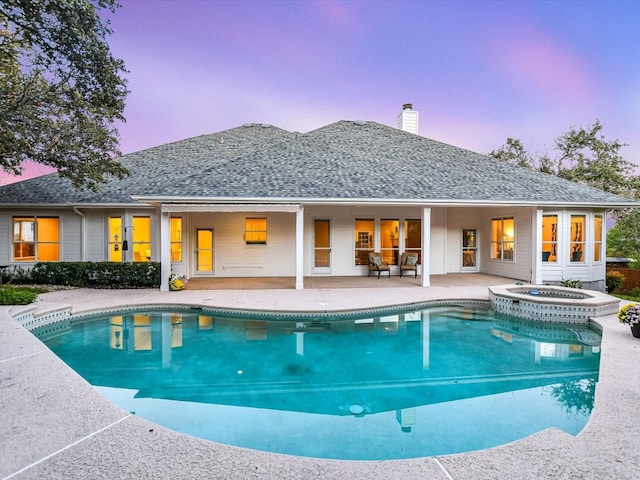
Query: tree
(61,90)
(623,239)
(514,152)
(583,155)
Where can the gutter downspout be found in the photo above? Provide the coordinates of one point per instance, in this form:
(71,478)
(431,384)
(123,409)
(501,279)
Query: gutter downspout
(83,231)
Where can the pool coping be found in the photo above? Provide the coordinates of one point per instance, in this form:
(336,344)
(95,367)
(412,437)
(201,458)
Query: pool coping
(57,426)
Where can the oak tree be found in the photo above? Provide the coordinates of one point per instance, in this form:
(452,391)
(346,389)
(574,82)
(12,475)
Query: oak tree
(61,89)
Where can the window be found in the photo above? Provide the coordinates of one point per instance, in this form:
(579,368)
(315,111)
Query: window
(389,241)
(597,238)
(141,239)
(36,239)
(176,239)
(577,243)
(502,238)
(115,239)
(549,238)
(364,228)
(413,237)
(255,231)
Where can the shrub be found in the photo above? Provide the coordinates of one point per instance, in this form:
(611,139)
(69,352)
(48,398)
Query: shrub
(96,274)
(614,280)
(10,295)
(572,283)
(634,292)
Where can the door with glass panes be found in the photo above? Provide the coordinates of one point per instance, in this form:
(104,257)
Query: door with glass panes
(469,249)
(204,250)
(321,246)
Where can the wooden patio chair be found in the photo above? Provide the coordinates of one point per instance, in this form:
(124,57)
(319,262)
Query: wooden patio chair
(376,265)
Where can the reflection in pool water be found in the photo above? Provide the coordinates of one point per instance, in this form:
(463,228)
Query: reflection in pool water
(408,384)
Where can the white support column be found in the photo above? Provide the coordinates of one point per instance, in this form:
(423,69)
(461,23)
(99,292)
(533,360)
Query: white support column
(300,248)
(536,274)
(426,247)
(165,251)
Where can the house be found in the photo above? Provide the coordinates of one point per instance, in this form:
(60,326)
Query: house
(260,201)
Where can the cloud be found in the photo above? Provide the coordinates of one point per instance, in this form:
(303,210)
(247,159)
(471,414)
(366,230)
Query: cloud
(534,62)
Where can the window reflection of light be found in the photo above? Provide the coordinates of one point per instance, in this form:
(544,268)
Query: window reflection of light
(547,349)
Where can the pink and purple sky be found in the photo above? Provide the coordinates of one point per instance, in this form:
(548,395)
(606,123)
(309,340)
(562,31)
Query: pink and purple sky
(478,71)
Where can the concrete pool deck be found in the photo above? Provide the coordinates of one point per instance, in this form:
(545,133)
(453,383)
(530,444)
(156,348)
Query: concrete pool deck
(55,425)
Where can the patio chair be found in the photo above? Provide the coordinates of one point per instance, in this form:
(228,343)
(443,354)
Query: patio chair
(409,261)
(376,265)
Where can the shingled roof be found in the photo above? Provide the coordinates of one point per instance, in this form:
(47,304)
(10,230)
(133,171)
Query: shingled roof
(351,161)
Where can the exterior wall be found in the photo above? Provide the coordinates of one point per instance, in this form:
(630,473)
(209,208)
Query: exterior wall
(456,220)
(232,257)
(521,267)
(441,250)
(96,228)
(70,238)
(342,234)
(5,238)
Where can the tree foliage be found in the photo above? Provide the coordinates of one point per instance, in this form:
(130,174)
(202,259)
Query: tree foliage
(581,155)
(60,89)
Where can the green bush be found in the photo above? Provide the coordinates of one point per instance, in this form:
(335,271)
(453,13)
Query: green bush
(10,295)
(572,283)
(96,274)
(614,280)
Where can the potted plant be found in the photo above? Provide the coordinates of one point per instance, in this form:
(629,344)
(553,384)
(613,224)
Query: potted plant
(177,282)
(630,315)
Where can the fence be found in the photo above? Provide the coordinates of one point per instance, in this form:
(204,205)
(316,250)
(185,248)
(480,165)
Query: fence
(631,278)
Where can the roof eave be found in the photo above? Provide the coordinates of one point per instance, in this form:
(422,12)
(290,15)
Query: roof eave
(161,200)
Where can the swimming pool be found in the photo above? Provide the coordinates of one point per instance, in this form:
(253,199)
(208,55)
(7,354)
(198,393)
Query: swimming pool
(378,386)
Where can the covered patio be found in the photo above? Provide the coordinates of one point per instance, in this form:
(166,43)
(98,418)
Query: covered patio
(329,282)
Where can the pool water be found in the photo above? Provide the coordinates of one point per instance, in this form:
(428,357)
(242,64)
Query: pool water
(405,384)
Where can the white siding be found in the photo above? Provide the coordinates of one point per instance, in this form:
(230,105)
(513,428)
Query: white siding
(521,268)
(233,258)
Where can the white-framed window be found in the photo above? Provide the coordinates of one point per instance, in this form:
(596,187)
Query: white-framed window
(175,233)
(578,238)
(141,237)
(255,231)
(36,239)
(503,238)
(550,238)
(364,239)
(598,235)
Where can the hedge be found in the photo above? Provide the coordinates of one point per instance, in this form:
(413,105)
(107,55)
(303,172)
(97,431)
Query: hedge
(96,274)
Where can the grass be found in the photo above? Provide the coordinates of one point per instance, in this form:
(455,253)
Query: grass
(631,298)
(10,295)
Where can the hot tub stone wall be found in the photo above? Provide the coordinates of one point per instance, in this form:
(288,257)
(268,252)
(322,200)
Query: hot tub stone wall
(562,305)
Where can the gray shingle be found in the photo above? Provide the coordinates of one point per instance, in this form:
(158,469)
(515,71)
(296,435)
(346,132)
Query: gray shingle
(343,160)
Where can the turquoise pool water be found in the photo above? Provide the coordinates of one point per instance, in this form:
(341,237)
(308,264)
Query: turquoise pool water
(396,385)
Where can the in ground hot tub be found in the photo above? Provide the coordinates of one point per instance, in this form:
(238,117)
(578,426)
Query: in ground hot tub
(547,303)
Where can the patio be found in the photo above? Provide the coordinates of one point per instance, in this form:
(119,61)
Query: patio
(55,425)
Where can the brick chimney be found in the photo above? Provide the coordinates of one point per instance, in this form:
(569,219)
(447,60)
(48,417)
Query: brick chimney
(408,119)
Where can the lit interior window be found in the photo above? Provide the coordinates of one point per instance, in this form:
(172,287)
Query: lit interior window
(550,238)
(36,239)
(141,236)
(176,239)
(255,232)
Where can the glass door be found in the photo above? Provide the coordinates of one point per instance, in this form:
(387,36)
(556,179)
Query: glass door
(322,246)
(469,249)
(204,250)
